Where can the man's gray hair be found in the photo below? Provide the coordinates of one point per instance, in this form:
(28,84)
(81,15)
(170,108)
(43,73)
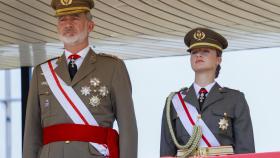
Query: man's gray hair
(89,16)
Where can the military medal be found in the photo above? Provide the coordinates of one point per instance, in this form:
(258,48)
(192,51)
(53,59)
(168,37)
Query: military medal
(223,124)
(44,83)
(85,90)
(72,62)
(201,97)
(94,101)
(46,103)
(94,82)
(98,90)
(103,91)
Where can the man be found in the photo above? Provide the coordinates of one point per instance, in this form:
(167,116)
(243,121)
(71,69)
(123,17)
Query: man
(206,119)
(75,99)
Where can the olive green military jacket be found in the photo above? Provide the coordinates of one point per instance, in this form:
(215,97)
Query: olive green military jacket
(238,134)
(44,110)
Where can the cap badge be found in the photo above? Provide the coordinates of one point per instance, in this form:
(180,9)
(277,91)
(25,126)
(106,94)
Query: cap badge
(199,35)
(66,2)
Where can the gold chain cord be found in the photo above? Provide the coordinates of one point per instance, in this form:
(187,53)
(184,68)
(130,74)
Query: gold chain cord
(193,142)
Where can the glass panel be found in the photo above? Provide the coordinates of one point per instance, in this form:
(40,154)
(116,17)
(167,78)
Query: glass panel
(3,130)
(15,83)
(16,129)
(2,83)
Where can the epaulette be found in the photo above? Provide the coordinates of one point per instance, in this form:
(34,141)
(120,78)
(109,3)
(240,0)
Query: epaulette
(50,60)
(184,89)
(226,89)
(108,55)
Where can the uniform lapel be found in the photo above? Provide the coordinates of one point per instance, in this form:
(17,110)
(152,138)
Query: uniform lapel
(213,96)
(86,67)
(62,69)
(191,97)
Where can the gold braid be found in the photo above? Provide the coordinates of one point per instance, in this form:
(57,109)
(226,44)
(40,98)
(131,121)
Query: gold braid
(193,142)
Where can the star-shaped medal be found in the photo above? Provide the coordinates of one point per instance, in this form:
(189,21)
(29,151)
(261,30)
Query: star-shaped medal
(103,91)
(94,82)
(85,90)
(223,124)
(94,101)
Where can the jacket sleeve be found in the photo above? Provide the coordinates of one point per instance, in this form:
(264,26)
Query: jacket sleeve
(242,127)
(124,111)
(167,147)
(33,129)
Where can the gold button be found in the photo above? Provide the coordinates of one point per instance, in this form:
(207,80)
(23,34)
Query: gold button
(67,142)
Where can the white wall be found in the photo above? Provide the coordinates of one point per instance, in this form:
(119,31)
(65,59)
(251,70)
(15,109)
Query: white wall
(254,72)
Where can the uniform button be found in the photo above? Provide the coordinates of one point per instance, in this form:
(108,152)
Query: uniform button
(67,142)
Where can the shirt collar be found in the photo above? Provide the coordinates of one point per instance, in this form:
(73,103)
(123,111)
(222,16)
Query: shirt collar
(82,53)
(208,87)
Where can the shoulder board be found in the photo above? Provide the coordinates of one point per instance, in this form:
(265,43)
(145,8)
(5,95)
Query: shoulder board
(50,60)
(109,55)
(226,89)
(183,89)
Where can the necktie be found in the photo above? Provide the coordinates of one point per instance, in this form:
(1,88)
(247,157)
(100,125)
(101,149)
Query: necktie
(72,67)
(202,96)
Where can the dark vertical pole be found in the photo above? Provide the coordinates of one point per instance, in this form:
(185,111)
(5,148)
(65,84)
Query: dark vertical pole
(25,80)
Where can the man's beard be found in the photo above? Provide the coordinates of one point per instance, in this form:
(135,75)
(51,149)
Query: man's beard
(72,40)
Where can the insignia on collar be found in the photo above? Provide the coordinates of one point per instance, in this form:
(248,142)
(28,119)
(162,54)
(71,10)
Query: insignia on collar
(223,124)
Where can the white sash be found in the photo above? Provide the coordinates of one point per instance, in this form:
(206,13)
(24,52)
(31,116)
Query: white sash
(70,101)
(188,116)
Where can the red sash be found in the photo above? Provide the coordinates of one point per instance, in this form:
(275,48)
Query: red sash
(84,133)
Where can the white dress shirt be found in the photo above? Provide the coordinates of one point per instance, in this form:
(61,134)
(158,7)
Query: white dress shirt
(208,88)
(81,53)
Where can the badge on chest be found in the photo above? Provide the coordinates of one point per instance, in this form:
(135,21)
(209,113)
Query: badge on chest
(95,90)
(223,123)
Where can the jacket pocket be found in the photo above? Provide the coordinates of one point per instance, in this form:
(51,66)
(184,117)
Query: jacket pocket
(94,151)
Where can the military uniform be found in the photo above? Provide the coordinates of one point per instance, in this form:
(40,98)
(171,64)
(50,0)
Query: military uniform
(219,101)
(224,111)
(71,113)
(44,110)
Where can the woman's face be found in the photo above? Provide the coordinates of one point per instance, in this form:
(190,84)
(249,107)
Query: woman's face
(204,60)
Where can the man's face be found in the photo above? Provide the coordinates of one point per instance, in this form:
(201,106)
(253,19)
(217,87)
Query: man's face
(74,28)
(204,59)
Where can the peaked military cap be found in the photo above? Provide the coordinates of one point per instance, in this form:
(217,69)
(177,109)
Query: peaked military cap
(203,37)
(65,7)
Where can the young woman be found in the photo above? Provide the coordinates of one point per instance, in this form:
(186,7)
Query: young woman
(206,119)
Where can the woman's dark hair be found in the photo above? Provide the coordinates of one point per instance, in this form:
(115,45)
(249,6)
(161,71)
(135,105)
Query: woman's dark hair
(219,54)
